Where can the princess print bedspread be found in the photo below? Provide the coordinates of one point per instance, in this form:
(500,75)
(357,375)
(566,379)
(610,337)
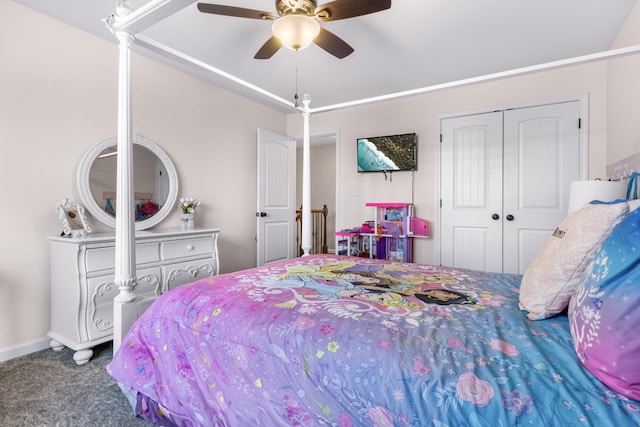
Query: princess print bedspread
(339,341)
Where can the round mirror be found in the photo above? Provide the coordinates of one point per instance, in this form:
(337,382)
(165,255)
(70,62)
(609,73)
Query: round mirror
(154,177)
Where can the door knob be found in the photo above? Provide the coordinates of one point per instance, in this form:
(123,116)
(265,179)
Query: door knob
(510,217)
(495,217)
(262,214)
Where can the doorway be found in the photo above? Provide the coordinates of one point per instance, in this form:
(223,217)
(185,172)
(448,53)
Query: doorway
(323,173)
(275,214)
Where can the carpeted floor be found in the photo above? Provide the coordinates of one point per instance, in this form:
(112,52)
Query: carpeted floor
(47,388)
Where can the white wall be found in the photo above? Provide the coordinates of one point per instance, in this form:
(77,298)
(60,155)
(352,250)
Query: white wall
(623,100)
(58,88)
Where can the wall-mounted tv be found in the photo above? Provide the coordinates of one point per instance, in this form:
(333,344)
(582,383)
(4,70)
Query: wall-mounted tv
(387,153)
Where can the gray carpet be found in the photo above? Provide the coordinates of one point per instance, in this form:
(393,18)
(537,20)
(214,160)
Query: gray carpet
(47,388)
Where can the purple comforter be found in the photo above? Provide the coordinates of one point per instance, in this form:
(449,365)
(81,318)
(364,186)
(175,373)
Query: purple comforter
(338,341)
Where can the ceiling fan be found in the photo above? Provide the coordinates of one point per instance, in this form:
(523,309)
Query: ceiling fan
(296,24)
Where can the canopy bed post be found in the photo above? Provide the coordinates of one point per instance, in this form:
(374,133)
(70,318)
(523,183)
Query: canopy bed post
(125,311)
(124,25)
(306,180)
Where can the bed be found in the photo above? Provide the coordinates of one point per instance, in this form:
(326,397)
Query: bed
(328,340)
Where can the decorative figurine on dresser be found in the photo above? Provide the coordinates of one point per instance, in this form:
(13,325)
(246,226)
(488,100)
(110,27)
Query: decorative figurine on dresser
(82,266)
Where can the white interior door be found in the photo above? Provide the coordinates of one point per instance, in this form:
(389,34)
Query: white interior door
(275,214)
(542,158)
(505,179)
(162,183)
(471,192)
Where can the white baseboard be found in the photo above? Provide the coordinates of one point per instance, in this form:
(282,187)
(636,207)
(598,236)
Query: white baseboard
(24,349)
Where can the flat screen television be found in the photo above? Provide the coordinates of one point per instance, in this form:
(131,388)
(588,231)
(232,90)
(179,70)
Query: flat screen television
(387,153)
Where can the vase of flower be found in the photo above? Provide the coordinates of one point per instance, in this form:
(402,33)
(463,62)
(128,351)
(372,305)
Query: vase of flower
(186,221)
(188,207)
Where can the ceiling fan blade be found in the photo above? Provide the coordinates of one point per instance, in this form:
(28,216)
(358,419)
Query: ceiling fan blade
(342,9)
(240,12)
(269,48)
(333,44)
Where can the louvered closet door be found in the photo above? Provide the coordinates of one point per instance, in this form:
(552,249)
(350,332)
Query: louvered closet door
(471,192)
(505,180)
(542,158)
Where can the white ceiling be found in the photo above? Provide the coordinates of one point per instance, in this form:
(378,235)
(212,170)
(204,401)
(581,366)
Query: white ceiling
(415,44)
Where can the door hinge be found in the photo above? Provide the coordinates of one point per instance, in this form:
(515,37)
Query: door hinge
(579,123)
(441,138)
(440,203)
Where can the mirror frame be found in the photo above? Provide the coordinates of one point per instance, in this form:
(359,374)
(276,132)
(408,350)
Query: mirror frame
(84,186)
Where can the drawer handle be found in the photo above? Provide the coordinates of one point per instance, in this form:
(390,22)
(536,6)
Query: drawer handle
(190,247)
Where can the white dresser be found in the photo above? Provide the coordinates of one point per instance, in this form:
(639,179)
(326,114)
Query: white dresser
(82,279)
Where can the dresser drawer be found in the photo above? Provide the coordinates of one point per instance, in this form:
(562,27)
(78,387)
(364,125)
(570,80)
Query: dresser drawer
(187,272)
(175,249)
(104,258)
(100,258)
(101,292)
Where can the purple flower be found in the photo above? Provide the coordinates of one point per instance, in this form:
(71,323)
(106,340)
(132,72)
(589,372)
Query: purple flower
(517,402)
(327,329)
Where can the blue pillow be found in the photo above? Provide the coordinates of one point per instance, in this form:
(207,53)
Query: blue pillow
(604,312)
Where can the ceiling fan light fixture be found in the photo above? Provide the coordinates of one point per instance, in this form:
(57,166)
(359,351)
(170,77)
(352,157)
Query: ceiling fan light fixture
(296,32)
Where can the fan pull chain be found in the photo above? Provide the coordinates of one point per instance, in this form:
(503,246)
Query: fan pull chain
(295,97)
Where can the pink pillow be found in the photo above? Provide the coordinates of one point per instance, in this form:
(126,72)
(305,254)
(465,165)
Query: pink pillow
(557,269)
(604,313)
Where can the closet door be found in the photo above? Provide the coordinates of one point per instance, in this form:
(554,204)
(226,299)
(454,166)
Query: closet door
(542,158)
(505,180)
(471,192)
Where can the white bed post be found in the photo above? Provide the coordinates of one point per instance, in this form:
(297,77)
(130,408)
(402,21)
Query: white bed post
(124,307)
(306,180)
